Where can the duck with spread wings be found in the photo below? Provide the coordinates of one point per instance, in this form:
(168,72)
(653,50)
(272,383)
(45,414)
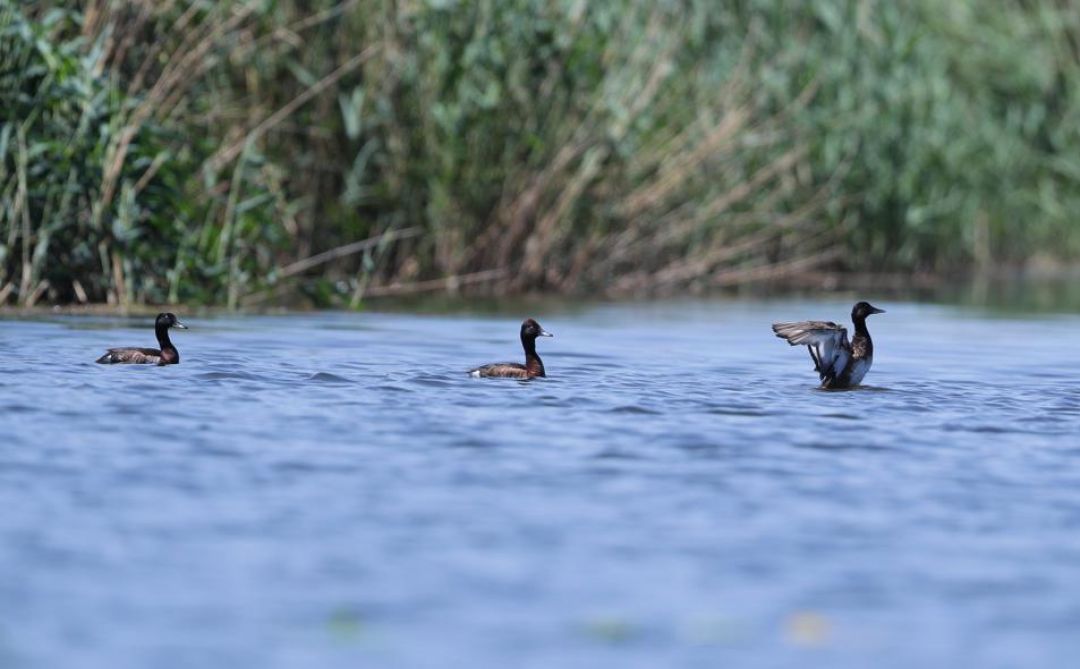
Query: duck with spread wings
(840,363)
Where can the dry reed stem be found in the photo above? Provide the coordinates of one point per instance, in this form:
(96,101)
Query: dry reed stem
(148,175)
(650,229)
(229,153)
(704,262)
(774,271)
(346,250)
(39,290)
(672,174)
(735,194)
(544,232)
(449,283)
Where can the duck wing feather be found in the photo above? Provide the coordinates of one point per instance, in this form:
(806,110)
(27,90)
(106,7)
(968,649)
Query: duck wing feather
(827,341)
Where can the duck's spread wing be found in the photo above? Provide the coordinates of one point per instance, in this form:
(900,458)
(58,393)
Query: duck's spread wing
(132,356)
(827,341)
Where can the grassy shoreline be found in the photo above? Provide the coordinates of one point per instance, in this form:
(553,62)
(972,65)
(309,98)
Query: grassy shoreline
(1056,291)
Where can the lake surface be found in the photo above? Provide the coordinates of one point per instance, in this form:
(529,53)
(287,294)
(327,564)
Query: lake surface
(332,490)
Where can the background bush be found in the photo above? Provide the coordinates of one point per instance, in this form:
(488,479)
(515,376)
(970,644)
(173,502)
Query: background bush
(241,152)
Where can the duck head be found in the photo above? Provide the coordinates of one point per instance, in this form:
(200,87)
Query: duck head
(168,320)
(530,329)
(863,309)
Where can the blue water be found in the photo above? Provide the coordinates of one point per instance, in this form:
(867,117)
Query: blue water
(332,490)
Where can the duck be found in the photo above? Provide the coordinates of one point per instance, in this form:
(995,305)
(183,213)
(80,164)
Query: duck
(840,364)
(533,367)
(166,355)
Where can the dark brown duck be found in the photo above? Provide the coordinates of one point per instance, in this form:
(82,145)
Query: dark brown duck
(166,355)
(533,366)
(838,362)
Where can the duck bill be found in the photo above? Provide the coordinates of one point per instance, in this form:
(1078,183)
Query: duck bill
(875,310)
(545,333)
(180,325)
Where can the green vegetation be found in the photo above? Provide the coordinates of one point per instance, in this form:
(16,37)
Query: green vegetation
(247,152)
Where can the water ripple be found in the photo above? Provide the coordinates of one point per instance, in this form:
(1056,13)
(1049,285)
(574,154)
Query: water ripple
(327,377)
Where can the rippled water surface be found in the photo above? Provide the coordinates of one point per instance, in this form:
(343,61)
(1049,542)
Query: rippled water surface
(332,490)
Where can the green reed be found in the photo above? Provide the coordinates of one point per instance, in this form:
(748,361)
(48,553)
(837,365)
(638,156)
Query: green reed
(247,152)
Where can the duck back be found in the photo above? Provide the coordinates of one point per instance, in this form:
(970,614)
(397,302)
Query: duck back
(506,370)
(131,356)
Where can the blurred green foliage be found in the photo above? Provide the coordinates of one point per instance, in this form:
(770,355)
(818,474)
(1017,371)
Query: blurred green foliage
(199,151)
(102,196)
(959,122)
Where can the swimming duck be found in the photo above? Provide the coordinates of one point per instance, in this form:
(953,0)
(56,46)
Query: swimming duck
(840,364)
(167,355)
(533,366)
